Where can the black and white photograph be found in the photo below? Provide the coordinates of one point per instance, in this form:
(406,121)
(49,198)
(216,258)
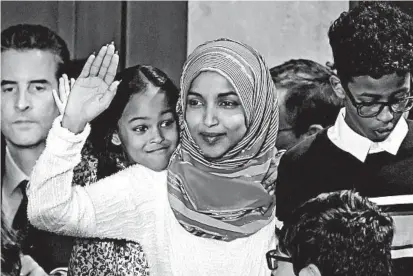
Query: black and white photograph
(207,138)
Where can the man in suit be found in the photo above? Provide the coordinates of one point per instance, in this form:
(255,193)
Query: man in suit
(32,59)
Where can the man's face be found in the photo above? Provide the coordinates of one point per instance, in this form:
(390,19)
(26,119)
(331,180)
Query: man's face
(27,105)
(365,89)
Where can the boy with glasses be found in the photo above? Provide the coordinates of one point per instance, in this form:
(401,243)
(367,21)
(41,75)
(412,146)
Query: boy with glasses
(335,234)
(370,146)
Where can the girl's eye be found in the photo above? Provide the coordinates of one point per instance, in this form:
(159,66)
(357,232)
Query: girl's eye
(140,129)
(194,102)
(167,123)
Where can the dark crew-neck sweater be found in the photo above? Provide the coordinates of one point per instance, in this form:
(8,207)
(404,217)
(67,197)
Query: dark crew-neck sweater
(316,166)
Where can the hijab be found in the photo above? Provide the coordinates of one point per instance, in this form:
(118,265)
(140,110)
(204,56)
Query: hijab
(229,197)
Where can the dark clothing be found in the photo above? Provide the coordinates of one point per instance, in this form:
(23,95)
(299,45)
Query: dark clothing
(317,166)
(47,249)
(20,222)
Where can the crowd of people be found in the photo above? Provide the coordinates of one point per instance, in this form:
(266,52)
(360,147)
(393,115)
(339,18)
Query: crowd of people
(300,169)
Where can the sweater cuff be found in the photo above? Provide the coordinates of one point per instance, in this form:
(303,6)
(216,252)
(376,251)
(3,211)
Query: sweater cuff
(61,141)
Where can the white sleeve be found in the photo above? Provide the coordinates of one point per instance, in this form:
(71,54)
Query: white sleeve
(119,206)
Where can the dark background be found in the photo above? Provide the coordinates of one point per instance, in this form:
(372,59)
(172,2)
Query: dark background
(145,32)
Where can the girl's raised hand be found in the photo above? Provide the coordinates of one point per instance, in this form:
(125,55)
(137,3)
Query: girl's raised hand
(93,91)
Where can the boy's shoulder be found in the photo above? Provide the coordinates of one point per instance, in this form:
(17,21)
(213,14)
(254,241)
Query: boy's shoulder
(407,144)
(309,146)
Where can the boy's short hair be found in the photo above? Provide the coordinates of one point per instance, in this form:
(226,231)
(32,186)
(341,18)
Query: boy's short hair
(342,233)
(299,71)
(373,39)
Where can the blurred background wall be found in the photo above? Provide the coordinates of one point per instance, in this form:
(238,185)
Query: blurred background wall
(278,30)
(161,33)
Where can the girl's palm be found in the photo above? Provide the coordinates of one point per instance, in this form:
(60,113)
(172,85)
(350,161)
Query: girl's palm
(90,98)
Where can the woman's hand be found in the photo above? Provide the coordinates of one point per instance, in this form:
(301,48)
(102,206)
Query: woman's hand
(93,91)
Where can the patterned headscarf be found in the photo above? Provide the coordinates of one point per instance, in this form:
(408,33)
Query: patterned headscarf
(228,198)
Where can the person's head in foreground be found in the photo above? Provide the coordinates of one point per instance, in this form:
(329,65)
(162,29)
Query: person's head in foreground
(307,101)
(373,54)
(140,125)
(335,234)
(228,116)
(32,59)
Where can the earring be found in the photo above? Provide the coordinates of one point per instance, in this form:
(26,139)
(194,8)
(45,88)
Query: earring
(115,139)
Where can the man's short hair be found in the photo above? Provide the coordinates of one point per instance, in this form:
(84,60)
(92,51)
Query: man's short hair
(24,37)
(310,98)
(296,71)
(373,39)
(342,233)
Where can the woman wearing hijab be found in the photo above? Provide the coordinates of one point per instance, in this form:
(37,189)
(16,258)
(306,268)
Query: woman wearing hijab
(212,212)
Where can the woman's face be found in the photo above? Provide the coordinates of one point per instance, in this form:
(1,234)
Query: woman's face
(148,130)
(214,114)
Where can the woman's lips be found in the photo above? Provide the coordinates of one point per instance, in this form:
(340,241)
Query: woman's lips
(211,138)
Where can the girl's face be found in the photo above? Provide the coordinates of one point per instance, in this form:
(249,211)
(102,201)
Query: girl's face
(214,114)
(148,130)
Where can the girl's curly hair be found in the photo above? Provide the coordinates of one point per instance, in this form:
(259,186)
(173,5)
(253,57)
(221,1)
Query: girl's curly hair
(373,39)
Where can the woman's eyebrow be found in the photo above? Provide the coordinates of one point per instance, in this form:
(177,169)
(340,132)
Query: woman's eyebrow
(226,94)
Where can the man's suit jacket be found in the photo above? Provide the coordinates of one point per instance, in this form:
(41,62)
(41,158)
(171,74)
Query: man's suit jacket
(47,249)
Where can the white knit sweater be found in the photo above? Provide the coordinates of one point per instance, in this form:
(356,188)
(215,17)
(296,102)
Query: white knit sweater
(133,205)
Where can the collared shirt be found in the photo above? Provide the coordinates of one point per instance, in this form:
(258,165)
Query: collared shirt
(359,146)
(11,193)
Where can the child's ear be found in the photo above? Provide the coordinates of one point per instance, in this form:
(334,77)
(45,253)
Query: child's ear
(337,87)
(115,139)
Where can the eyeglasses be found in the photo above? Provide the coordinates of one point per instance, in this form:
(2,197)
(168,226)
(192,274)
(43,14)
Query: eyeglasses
(368,110)
(273,258)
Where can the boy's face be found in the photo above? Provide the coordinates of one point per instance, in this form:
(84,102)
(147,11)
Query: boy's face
(365,89)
